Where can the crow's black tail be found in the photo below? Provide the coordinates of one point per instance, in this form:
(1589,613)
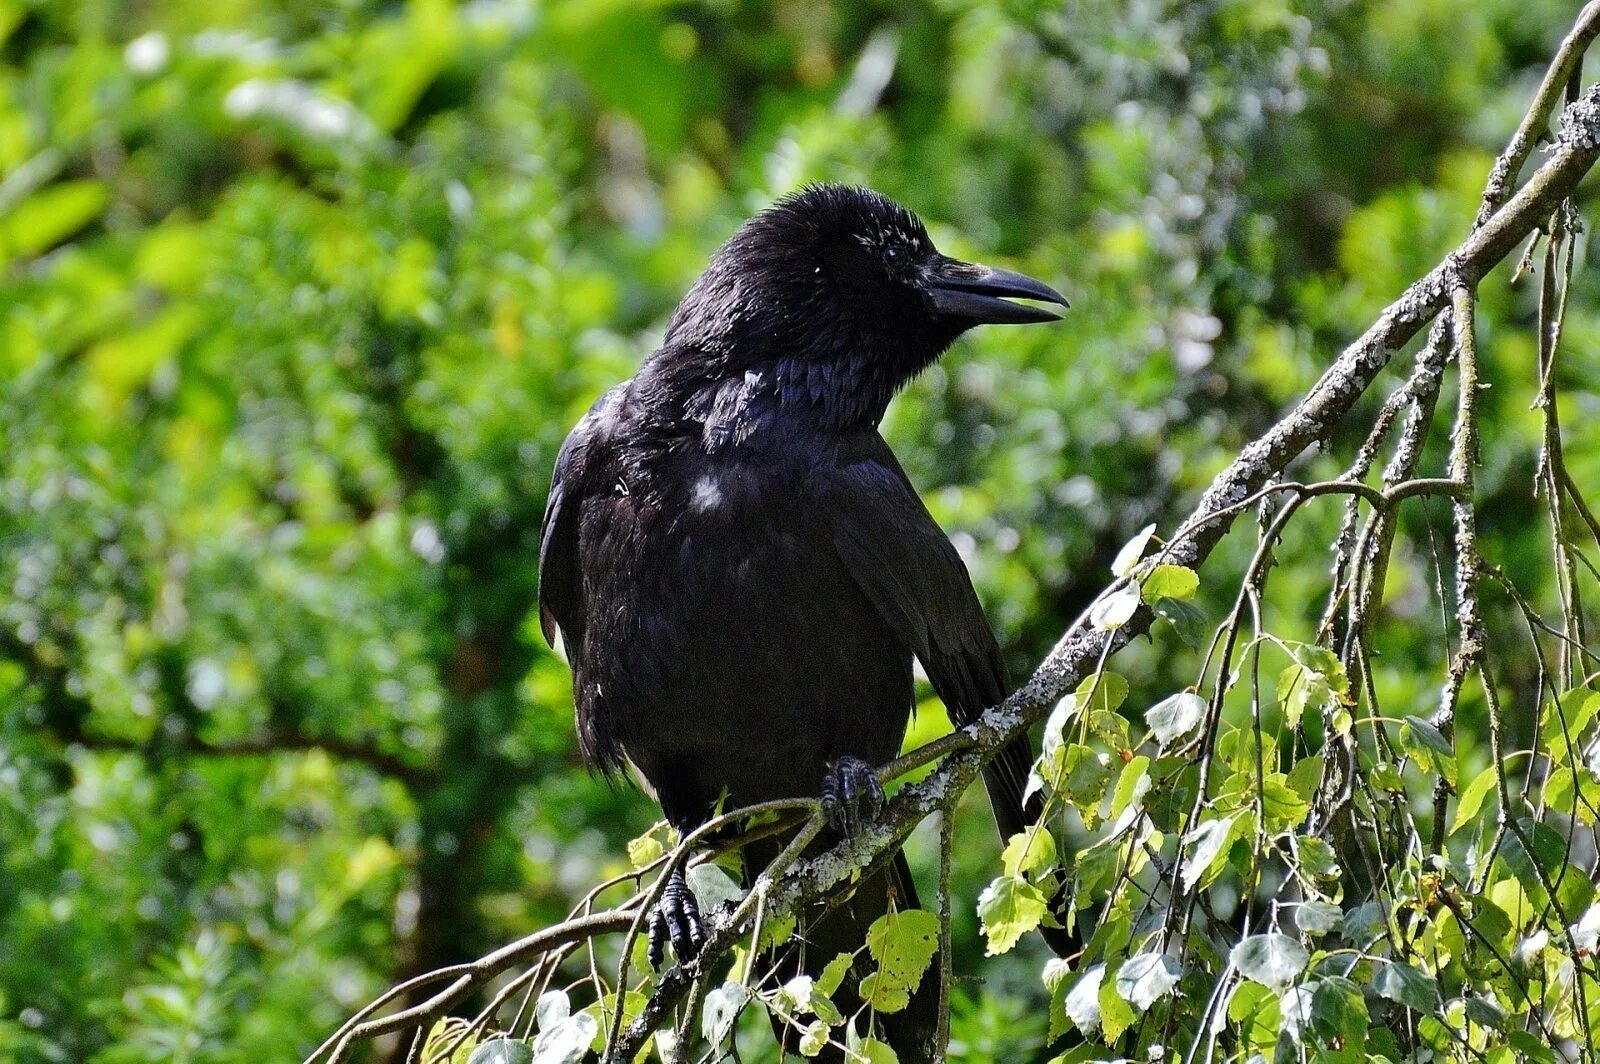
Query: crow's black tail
(823,933)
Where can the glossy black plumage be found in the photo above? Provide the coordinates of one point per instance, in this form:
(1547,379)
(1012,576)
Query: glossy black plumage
(738,567)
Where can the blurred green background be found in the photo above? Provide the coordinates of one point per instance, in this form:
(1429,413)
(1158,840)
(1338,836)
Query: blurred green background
(299,300)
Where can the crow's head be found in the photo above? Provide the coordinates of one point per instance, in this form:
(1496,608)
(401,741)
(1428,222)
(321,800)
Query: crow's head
(847,279)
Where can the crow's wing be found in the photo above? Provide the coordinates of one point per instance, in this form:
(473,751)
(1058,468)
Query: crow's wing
(560,614)
(912,574)
(582,462)
(582,458)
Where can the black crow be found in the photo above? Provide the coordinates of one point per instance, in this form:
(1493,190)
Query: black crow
(737,566)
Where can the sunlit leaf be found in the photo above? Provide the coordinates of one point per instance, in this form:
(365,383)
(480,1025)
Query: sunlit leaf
(722,1007)
(1272,959)
(1170,581)
(903,943)
(833,974)
(1115,610)
(1202,848)
(1009,908)
(1146,978)
(813,1038)
(1081,1004)
(872,1051)
(1132,551)
(1132,785)
(1029,853)
(1175,717)
(1472,796)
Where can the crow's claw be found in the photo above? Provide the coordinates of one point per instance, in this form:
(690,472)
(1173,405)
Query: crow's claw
(676,917)
(851,795)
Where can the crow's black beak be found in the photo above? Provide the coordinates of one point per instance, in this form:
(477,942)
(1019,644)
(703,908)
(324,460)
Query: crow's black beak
(977,293)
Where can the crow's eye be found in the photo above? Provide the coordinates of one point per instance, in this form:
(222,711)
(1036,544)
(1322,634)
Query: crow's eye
(894,254)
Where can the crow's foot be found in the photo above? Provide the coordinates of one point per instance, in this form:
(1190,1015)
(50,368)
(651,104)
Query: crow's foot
(676,917)
(851,795)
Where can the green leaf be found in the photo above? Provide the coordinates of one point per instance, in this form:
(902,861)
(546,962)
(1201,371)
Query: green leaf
(775,931)
(1472,797)
(600,1012)
(1171,582)
(833,975)
(1338,1010)
(50,216)
(1575,791)
(1574,711)
(1306,776)
(1203,849)
(1102,693)
(1318,917)
(1116,1015)
(1112,728)
(1097,868)
(1315,680)
(1530,1049)
(712,886)
(1365,923)
(1272,959)
(1548,855)
(813,1038)
(1318,859)
(1175,717)
(1132,784)
(502,1051)
(1030,852)
(1188,620)
(883,994)
(1080,774)
(444,1031)
(1428,735)
(873,1051)
(1254,1009)
(824,1008)
(1386,777)
(1428,747)
(1146,978)
(644,849)
(1485,1012)
(1009,908)
(903,943)
(1098,697)
(1399,981)
(1282,805)
(1321,660)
